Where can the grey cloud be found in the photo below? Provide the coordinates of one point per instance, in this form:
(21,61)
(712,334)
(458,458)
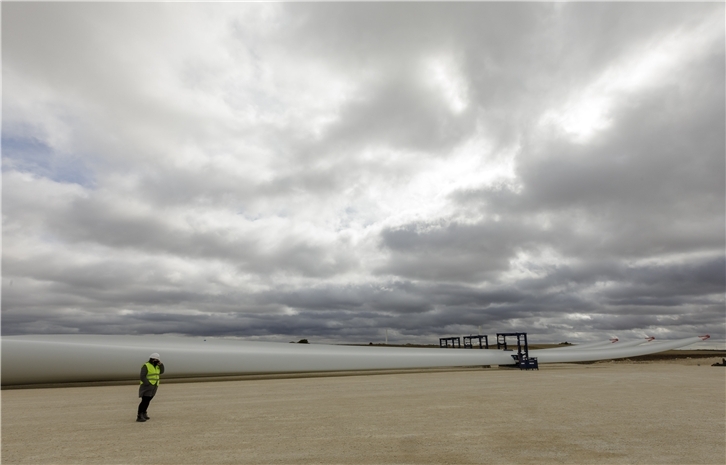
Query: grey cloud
(456,252)
(370,30)
(671,285)
(92,220)
(398,297)
(399,115)
(168,110)
(654,184)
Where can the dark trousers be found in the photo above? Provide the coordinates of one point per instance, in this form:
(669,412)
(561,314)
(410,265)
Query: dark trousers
(144,404)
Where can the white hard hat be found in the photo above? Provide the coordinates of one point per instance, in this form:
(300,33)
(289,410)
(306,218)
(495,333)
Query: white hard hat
(155,355)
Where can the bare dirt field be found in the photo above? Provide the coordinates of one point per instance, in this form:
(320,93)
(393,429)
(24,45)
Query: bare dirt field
(613,412)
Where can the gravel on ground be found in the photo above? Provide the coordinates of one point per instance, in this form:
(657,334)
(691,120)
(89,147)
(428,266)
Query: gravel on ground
(602,413)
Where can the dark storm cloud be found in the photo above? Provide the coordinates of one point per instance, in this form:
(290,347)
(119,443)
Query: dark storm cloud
(333,170)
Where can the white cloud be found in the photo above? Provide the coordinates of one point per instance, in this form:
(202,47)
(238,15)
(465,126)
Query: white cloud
(443,75)
(590,110)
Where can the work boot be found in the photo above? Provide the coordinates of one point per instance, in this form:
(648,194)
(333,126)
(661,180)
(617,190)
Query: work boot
(140,417)
(146,417)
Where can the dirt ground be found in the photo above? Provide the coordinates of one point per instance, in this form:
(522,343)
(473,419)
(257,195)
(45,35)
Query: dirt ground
(612,412)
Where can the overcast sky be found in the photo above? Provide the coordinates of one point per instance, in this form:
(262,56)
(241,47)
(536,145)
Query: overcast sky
(277,171)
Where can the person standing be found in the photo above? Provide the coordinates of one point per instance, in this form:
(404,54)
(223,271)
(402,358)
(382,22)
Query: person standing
(149,379)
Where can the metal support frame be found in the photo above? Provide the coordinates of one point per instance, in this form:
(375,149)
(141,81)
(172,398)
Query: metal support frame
(522,359)
(469,345)
(455,342)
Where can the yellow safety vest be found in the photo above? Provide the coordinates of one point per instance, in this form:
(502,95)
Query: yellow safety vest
(152,374)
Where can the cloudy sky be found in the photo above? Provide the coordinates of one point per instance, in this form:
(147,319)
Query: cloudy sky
(277,171)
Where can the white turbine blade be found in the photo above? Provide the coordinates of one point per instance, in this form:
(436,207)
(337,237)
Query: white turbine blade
(77,358)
